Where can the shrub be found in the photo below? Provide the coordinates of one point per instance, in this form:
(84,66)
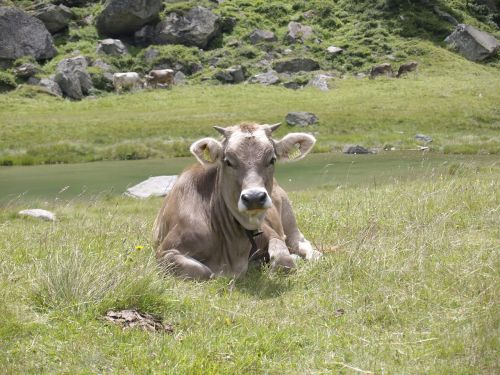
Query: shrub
(7,82)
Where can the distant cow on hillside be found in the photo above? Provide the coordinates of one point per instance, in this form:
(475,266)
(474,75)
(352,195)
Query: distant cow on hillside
(407,67)
(127,81)
(164,77)
(380,70)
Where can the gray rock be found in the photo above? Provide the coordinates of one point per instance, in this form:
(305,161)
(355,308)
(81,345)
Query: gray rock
(259,36)
(296,65)
(423,138)
(197,28)
(301,118)
(179,78)
(231,75)
(124,17)
(268,78)
(332,50)
(50,87)
(381,70)
(38,213)
(473,44)
(113,47)
(320,82)
(356,150)
(76,3)
(298,32)
(26,70)
(73,78)
(150,55)
(446,16)
(22,35)
(158,186)
(145,35)
(293,85)
(103,80)
(55,17)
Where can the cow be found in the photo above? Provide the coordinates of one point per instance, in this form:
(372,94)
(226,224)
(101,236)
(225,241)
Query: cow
(127,81)
(406,68)
(163,77)
(228,209)
(379,70)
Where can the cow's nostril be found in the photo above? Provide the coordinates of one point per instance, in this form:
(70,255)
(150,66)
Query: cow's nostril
(245,198)
(262,197)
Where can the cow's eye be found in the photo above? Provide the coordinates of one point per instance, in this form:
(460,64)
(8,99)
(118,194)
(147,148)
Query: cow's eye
(272,161)
(227,162)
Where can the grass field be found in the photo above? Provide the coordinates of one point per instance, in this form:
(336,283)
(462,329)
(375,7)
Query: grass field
(408,284)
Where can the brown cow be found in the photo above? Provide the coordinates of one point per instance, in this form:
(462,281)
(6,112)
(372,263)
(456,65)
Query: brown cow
(164,77)
(382,69)
(406,68)
(229,208)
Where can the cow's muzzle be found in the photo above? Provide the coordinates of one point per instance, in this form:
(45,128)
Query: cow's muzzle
(254,199)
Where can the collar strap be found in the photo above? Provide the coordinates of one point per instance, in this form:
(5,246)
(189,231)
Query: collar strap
(254,251)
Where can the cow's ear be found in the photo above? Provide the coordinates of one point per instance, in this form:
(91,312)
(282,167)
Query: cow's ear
(206,150)
(294,146)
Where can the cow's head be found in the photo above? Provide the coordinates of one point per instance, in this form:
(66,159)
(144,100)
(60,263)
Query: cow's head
(245,159)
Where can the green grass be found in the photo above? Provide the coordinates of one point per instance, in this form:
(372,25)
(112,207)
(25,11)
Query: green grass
(415,274)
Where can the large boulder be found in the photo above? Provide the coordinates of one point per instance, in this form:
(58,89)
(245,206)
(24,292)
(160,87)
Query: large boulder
(301,118)
(54,17)
(113,47)
(26,70)
(157,186)
(298,64)
(473,44)
(235,74)
(268,78)
(259,36)
(320,82)
(197,27)
(73,78)
(298,32)
(22,35)
(50,87)
(124,17)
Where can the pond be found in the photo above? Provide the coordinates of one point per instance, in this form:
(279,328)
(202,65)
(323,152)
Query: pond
(68,181)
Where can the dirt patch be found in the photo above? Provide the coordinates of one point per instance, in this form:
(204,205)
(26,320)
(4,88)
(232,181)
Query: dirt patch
(136,319)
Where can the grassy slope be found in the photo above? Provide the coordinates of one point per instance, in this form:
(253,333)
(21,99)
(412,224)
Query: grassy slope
(416,275)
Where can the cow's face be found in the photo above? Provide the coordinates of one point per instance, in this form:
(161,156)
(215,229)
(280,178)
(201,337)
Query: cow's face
(246,159)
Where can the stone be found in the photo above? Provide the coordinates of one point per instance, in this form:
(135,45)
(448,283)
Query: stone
(298,32)
(332,50)
(293,85)
(473,44)
(113,47)
(39,214)
(381,70)
(446,16)
(268,78)
(73,78)
(298,64)
(150,55)
(423,138)
(301,118)
(23,35)
(231,75)
(357,149)
(320,82)
(197,27)
(76,3)
(145,35)
(158,186)
(55,17)
(26,70)
(179,78)
(50,87)
(259,36)
(102,80)
(125,17)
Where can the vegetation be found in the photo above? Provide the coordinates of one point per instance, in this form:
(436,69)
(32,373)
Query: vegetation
(408,284)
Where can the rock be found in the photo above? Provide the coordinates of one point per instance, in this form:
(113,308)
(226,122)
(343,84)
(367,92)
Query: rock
(158,186)
(136,319)
(296,65)
(232,75)
(26,70)
(423,138)
(145,35)
(197,28)
(150,55)
(332,50)
(124,17)
(446,16)
(293,85)
(113,47)
(259,36)
(22,35)
(179,78)
(76,3)
(103,79)
(320,82)
(356,150)
(473,44)
(406,68)
(51,87)
(301,118)
(268,78)
(38,213)
(298,32)
(55,17)
(73,78)
(381,70)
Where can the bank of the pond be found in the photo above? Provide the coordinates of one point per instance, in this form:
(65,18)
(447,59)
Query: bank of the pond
(68,181)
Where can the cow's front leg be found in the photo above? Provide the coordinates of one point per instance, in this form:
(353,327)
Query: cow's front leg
(280,256)
(184,266)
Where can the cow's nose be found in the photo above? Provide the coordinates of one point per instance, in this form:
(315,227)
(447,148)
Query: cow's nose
(254,199)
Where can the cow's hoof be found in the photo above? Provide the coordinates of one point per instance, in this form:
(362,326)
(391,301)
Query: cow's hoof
(283,263)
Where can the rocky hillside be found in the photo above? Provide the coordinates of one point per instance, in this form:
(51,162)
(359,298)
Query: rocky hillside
(71,48)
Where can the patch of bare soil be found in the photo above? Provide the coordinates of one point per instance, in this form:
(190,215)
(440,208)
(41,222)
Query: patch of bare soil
(133,318)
